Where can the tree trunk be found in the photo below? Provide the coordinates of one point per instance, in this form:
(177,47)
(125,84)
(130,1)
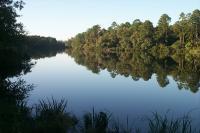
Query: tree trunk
(181,41)
(196,35)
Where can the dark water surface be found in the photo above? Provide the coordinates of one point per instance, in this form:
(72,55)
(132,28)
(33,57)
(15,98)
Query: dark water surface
(61,77)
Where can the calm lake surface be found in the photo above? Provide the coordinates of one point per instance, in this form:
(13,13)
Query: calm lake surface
(60,77)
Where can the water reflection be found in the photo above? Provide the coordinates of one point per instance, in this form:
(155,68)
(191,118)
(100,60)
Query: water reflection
(15,115)
(13,63)
(16,61)
(184,70)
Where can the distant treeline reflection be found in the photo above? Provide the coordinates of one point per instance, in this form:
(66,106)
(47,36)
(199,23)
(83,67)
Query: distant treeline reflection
(139,49)
(185,70)
(15,57)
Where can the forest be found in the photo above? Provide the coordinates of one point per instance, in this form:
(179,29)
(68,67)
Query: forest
(164,39)
(139,50)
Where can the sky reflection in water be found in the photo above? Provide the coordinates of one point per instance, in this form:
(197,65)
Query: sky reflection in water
(60,77)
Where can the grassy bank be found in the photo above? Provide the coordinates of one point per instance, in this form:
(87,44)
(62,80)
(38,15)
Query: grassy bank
(52,116)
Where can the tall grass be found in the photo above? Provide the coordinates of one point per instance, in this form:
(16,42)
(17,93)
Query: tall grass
(162,124)
(51,116)
(95,122)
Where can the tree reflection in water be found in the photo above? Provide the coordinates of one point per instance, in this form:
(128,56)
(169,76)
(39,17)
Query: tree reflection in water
(184,69)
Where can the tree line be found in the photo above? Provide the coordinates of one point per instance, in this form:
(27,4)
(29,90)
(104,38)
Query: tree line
(12,33)
(140,50)
(184,33)
(16,47)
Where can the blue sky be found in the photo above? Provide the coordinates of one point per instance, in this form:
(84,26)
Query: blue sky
(65,18)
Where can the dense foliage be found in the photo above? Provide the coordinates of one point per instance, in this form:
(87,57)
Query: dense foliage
(185,33)
(39,47)
(12,34)
(16,48)
(9,27)
(140,50)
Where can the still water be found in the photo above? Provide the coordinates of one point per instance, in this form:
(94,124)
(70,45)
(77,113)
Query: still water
(61,77)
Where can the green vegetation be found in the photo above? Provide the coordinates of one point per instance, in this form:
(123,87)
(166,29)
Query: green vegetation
(13,37)
(95,122)
(14,112)
(40,47)
(10,29)
(16,48)
(162,124)
(140,50)
(50,116)
(143,36)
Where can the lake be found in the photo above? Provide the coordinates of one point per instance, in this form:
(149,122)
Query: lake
(61,76)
